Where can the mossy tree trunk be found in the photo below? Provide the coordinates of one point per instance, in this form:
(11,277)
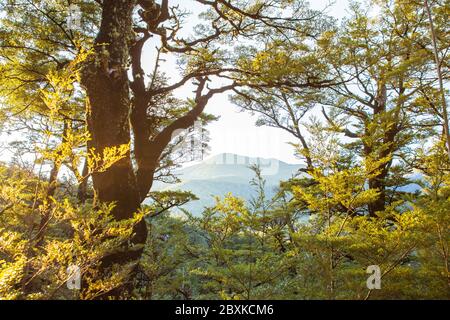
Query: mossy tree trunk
(107,86)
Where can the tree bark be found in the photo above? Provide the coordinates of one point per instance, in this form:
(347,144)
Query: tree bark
(117,106)
(107,86)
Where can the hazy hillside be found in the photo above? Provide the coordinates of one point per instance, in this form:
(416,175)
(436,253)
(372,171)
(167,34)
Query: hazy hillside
(226,173)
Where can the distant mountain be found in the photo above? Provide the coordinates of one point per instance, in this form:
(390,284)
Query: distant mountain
(224,173)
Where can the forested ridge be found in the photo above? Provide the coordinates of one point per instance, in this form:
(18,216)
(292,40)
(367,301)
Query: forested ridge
(91,115)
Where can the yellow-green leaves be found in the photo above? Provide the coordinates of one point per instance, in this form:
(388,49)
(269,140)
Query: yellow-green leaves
(100,162)
(343,191)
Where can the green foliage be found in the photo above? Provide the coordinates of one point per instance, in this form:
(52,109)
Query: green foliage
(75,235)
(237,251)
(376,119)
(44,230)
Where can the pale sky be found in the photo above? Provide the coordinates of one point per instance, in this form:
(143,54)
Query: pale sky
(235,132)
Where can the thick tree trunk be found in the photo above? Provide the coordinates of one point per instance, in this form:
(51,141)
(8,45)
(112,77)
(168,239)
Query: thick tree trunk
(106,82)
(111,110)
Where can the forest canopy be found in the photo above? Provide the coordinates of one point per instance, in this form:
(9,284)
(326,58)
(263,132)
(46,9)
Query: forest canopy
(90,115)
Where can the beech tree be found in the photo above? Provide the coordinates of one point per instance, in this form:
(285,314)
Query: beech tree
(126,105)
(381,97)
(94,112)
(382,105)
